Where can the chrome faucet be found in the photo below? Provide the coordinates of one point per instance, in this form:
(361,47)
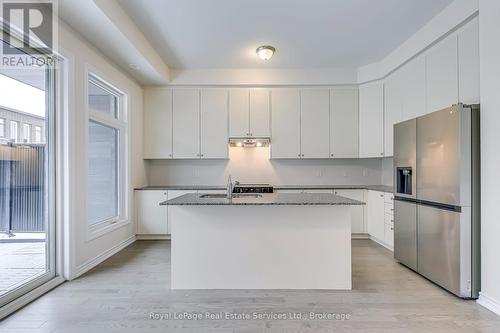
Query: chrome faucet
(230,187)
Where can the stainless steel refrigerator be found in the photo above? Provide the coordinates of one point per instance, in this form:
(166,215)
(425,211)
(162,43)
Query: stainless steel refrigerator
(437,197)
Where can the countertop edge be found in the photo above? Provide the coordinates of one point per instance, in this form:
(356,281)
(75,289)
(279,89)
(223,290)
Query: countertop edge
(380,188)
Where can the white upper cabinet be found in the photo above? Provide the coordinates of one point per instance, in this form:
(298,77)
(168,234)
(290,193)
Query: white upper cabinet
(186,120)
(371,120)
(393,107)
(344,132)
(285,123)
(239,113)
(157,123)
(413,83)
(259,112)
(213,115)
(249,113)
(468,63)
(442,75)
(315,123)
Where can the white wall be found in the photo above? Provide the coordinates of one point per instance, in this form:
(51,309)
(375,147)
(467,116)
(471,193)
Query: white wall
(85,253)
(250,165)
(387,171)
(489,47)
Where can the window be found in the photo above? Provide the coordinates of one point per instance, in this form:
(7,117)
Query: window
(102,98)
(2,128)
(26,132)
(106,176)
(38,134)
(14,130)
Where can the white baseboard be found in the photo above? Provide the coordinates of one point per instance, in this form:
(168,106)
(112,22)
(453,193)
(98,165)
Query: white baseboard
(360,236)
(381,242)
(153,237)
(103,256)
(29,297)
(489,303)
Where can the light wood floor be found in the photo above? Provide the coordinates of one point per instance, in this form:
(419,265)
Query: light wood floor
(120,294)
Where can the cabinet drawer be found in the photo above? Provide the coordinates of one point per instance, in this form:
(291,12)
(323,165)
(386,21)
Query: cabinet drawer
(389,219)
(389,235)
(389,209)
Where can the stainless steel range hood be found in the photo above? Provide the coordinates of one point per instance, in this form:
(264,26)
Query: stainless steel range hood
(249,142)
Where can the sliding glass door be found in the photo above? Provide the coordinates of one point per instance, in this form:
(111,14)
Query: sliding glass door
(27,182)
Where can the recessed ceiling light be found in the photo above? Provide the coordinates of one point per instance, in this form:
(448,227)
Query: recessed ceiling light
(265,52)
(133,66)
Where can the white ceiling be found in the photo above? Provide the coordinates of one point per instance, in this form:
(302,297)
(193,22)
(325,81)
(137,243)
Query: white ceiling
(190,34)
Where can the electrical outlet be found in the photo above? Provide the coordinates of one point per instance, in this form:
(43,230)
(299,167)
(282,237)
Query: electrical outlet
(319,173)
(196,173)
(365,172)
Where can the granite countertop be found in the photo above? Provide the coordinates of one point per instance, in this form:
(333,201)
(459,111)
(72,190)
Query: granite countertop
(194,199)
(381,188)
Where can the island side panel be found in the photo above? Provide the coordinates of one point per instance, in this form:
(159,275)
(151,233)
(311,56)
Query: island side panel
(261,247)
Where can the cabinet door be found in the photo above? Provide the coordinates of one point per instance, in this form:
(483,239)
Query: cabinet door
(413,83)
(186,120)
(171,195)
(392,111)
(151,217)
(357,212)
(259,112)
(389,231)
(213,115)
(239,113)
(371,120)
(315,123)
(468,63)
(344,123)
(442,75)
(375,211)
(285,123)
(157,123)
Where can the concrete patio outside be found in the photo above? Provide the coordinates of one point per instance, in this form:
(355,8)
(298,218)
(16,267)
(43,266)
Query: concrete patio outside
(22,258)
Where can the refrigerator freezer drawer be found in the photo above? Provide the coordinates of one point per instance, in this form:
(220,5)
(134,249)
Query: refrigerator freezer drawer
(405,233)
(444,248)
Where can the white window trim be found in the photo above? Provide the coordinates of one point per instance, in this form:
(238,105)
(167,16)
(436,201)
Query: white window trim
(120,123)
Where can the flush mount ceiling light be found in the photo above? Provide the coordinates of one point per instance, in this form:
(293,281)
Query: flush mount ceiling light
(265,52)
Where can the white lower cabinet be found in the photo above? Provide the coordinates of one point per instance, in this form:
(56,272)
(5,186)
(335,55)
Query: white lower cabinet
(357,212)
(151,217)
(389,230)
(375,214)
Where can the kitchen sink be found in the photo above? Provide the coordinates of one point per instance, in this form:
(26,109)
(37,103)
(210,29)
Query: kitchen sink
(235,196)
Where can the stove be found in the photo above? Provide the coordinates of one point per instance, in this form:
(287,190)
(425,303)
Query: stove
(253,188)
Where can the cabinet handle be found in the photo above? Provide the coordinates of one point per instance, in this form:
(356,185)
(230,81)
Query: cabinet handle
(331,155)
(382,154)
(302,155)
(381,195)
(392,228)
(392,209)
(170,155)
(298,155)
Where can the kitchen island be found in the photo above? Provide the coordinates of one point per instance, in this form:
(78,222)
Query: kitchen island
(264,241)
